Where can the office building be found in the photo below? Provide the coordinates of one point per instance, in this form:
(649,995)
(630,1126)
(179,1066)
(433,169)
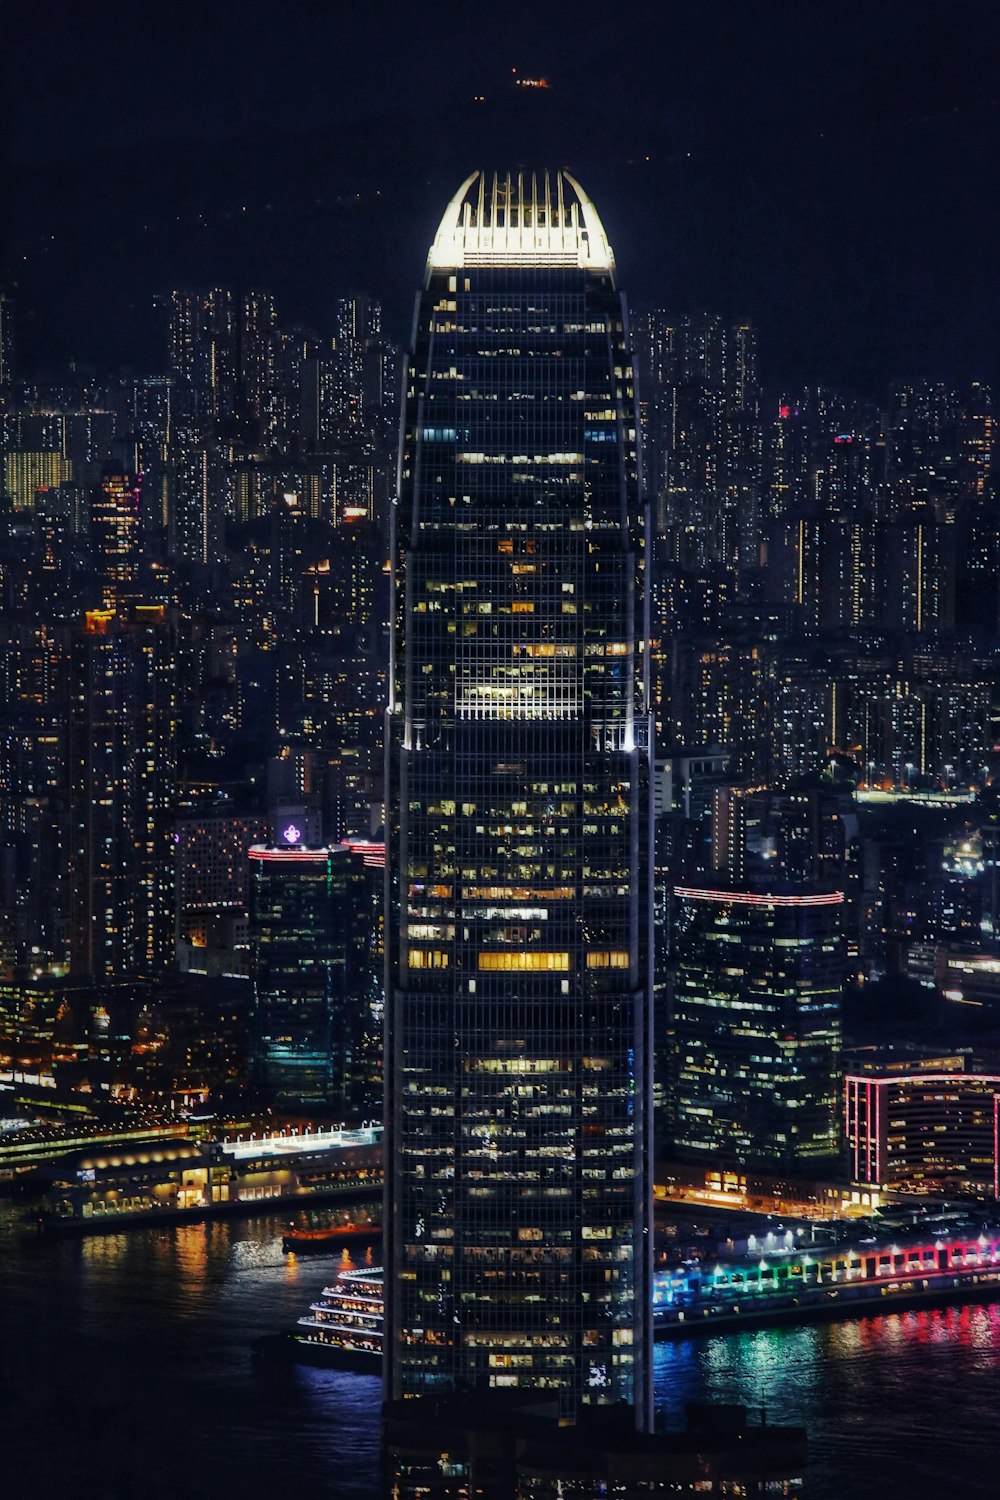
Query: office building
(518,820)
(920,1130)
(312,947)
(757,985)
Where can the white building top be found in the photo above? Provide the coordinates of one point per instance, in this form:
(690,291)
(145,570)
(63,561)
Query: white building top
(520,221)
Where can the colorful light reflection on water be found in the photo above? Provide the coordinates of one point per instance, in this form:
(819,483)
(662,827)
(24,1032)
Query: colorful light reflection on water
(900,1404)
(125,1368)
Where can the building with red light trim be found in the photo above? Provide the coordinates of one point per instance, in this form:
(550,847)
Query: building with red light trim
(933,1132)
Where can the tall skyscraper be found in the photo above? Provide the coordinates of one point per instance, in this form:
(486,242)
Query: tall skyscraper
(114,534)
(518,972)
(122,755)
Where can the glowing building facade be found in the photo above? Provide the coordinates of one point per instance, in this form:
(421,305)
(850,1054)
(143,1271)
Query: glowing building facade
(312,1030)
(756,1024)
(122,769)
(518,952)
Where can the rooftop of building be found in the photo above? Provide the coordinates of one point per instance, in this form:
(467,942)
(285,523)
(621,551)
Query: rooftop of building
(774,893)
(521,219)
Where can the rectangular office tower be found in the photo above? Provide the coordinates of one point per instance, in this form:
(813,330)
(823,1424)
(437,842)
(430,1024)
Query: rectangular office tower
(518,1088)
(313,1040)
(758,980)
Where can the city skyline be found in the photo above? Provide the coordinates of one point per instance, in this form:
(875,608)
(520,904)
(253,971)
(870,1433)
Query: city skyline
(499,782)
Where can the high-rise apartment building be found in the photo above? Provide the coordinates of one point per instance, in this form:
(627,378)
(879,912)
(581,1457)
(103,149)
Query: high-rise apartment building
(203,344)
(702,438)
(258,377)
(122,755)
(519,906)
(212,889)
(26,473)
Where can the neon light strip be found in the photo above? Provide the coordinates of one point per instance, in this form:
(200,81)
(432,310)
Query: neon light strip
(745,898)
(885,1079)
(290,856)
(888,1261)
(371,853)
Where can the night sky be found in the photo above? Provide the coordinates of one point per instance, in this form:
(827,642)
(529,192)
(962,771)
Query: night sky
(826,168)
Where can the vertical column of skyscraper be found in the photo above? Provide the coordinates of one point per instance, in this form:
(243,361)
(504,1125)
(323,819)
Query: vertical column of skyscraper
(518,951)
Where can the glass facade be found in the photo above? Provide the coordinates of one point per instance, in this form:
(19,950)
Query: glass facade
(519,866)
(757,989)
(312,939)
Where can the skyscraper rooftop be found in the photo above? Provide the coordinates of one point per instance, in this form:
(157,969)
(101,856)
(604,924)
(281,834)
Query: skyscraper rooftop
(521,220)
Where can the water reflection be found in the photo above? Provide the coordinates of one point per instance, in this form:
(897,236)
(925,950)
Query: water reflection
(902,1404)
(125,1367)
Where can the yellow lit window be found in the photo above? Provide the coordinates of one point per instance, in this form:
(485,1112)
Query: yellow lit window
(521,963)
(606,960)
(429,958)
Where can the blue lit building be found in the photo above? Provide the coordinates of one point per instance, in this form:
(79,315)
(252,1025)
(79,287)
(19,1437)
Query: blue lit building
(312,948)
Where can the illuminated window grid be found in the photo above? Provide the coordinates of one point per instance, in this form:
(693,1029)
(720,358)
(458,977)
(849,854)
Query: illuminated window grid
(499,870)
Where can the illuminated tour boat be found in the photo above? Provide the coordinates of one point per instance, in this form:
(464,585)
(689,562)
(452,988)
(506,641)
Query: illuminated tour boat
(345,1322)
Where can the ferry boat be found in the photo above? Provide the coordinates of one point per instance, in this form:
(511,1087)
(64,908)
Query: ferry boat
(344,1324)
(321,1241)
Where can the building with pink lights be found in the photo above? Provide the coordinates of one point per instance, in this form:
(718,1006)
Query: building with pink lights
(924,1132)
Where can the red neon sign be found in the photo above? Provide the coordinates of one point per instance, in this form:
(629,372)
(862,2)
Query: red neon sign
(748,898)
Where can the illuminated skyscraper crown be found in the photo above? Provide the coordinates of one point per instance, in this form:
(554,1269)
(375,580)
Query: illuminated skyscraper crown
(527,221)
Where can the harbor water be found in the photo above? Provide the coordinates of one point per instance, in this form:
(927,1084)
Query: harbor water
(126,1369)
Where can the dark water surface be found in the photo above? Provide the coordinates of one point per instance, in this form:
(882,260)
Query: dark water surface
(125,1371)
